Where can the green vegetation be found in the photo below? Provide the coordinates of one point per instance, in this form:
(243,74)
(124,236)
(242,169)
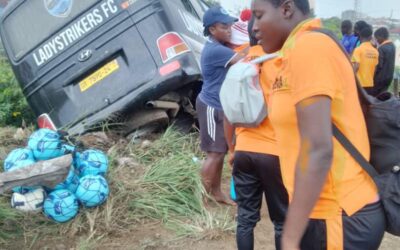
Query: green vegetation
(171,189)
(13,106)
(333,24)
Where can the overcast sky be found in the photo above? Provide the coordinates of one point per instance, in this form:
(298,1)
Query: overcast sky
(329,8)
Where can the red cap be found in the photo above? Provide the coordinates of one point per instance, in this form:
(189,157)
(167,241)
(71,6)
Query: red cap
(245,15)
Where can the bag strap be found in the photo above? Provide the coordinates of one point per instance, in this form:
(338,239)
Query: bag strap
(264,58)
(342,139)
(353,151)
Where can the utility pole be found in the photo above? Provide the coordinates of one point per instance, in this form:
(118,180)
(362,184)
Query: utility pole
(357,10)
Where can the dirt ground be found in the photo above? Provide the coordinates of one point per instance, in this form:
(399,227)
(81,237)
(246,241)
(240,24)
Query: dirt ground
(154,237)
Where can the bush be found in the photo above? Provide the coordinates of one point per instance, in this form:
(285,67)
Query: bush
(333,24)
(13,106)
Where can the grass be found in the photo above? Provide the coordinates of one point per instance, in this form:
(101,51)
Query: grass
(9,222)
(170,189)
(162,185)
(170,185)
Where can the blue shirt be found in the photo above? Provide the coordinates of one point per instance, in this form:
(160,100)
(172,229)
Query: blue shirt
(215,58)
(349,42)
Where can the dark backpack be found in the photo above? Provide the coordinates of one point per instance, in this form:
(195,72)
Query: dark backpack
(382,117)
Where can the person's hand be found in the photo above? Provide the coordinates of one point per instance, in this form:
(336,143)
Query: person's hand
(231,156)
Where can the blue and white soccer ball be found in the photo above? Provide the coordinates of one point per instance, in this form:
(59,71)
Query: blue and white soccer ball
(19,154)
(58,8)
(71,182)
(92,162)
(92,190)
(29,202)
(20,165)
(45,144)
(61,205)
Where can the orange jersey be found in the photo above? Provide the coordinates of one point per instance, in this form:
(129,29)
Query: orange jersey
(260,139)
(367,57)
(311,64)
(241,48)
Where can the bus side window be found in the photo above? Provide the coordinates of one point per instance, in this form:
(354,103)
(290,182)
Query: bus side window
(189,8)
(204,5)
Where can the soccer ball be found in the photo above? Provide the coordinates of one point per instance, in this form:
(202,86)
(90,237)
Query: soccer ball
(71,182)
(19,154)
(45,144)
(92,190)
(61,205)
(20,165)
(92,162)
(29,202)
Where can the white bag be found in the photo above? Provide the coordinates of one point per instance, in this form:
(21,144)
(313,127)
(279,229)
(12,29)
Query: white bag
(241,95)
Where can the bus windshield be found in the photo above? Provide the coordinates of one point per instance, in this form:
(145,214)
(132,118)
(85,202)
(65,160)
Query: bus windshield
(36,20)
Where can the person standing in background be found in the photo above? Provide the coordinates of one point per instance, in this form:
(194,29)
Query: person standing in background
(365,58)
(358,27)
(256,170)
(216,58)
(387,56)
(240,35)
(349,40)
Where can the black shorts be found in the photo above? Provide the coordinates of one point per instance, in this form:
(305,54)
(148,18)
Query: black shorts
(363,230)
(211,122)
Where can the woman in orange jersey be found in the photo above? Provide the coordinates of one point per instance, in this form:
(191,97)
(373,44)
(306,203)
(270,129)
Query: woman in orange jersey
(256,171)
(334,203)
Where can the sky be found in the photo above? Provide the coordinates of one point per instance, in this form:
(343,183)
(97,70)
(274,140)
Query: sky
(329,8)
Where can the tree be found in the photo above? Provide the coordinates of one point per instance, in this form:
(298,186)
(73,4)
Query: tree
(13,106)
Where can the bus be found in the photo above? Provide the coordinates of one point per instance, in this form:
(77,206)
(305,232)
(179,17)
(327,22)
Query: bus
(83,62)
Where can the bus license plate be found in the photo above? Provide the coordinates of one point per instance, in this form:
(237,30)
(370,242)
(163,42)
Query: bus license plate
(98,75)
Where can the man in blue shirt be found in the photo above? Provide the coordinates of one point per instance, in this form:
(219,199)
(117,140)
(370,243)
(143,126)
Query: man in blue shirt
(349,40)
(215,60)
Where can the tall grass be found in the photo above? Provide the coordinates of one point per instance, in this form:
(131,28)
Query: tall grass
(171,190)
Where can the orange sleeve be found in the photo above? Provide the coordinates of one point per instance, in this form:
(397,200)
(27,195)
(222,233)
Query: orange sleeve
(241,47)
(312,69)
(356,55)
